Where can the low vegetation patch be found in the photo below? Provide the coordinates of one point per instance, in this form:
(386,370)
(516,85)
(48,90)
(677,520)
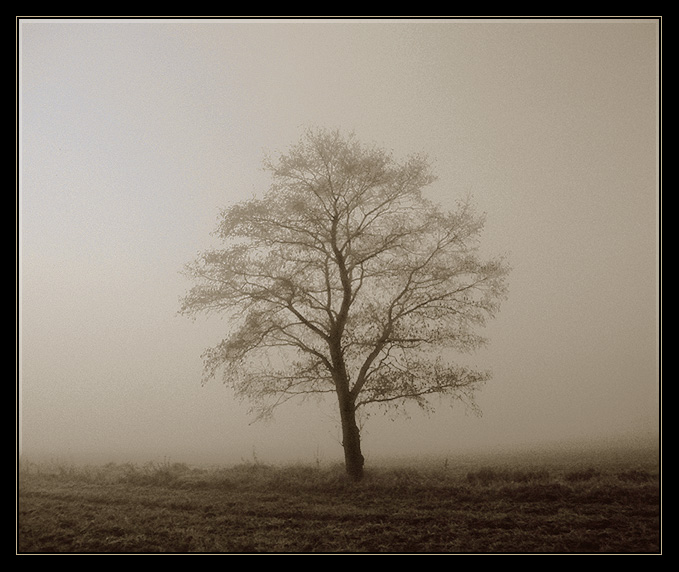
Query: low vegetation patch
(258,508)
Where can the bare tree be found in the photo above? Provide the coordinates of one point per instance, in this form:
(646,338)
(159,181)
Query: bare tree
(343,278)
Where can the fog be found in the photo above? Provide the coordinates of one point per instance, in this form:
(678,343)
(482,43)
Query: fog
(133,134)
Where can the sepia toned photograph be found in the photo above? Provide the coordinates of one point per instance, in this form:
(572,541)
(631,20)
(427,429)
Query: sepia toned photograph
(338,285)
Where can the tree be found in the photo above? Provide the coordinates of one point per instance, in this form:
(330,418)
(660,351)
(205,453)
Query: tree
(345,279)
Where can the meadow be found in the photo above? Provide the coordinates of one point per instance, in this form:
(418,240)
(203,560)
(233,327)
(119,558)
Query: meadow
(530,504)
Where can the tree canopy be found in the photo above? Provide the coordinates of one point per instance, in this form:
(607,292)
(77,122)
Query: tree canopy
(344,278)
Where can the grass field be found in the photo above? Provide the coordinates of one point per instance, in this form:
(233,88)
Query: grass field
(514,505)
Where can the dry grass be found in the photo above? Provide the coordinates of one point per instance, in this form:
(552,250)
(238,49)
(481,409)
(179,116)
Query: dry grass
(256,508)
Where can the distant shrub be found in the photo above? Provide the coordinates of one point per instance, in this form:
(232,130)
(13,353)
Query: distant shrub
(487,476)
(540,475)
(299,477)
(581,475)
(484,476)
(537,492)
(163,474)
(636,476)
(293,477)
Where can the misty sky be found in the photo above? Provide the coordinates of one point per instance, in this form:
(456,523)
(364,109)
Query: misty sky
(134,134)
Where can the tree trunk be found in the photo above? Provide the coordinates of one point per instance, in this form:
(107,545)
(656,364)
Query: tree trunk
(351,437)
(351,441)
